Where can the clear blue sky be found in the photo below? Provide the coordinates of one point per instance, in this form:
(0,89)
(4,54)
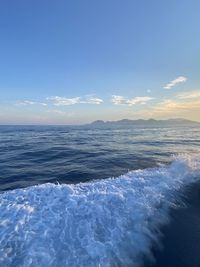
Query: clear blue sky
(76,61)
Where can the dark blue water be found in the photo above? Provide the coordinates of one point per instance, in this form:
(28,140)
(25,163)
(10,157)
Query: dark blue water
(32,155)
(59,207)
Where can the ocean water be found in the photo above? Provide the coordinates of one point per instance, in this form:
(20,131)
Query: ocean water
(89,196)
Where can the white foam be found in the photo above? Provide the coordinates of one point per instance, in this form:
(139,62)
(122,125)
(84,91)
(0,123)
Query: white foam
(110,222)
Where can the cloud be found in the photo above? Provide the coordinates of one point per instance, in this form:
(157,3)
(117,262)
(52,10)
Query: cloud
(120,100)
(28,102)
(183,105)
(176,108)
(170,106)
(180,79)
(63,101)
(189,95)
(93,100)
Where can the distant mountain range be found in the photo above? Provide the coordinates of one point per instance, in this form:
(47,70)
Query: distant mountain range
(173,122)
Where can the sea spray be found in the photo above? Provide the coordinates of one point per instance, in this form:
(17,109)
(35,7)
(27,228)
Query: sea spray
(110,222)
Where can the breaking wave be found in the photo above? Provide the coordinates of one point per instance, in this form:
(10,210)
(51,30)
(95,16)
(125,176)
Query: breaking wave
(111,222)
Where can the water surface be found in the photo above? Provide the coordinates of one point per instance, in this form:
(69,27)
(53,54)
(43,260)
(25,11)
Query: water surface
(88,196)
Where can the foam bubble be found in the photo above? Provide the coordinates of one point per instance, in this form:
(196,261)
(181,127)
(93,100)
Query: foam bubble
(110,222)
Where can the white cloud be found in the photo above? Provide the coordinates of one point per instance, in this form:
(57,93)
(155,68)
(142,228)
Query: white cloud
(139,100)
(120,100)
(93,100)
(28,102)
(63,101)
(180,79)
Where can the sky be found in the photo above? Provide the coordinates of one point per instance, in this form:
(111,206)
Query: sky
(73,62)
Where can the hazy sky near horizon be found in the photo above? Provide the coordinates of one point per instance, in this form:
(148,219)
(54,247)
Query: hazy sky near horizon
(69,62)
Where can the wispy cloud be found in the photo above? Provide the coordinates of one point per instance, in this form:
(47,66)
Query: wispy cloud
(180,79)
(64,101)
(176,108)
(120,100)
(28,102)
(189,95)
(173,106)
(93,100)
(183,105)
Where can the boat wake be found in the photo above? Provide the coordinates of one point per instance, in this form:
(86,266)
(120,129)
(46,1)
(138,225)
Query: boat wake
(111,222)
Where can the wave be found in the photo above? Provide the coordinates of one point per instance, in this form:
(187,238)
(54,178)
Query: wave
(111,222)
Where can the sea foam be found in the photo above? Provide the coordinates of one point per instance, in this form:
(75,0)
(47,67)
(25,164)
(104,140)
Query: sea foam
(110,222)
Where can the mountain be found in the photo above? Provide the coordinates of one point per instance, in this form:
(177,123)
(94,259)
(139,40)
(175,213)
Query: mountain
(149,122)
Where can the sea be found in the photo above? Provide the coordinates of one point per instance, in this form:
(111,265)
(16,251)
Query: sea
(88,196)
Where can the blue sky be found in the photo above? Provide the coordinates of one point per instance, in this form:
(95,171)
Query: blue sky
(69,62)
